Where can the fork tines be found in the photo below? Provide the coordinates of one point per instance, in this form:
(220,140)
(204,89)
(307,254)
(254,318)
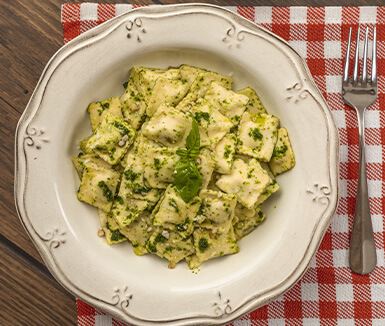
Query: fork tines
(364,79)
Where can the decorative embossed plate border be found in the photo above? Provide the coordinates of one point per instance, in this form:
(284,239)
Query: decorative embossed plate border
(141,290)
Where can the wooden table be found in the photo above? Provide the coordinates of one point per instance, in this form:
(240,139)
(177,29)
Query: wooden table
(30,33)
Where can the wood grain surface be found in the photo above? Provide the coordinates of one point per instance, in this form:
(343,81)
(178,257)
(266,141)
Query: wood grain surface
(30,33)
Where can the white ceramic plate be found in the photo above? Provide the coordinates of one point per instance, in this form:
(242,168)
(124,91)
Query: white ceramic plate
(142,290)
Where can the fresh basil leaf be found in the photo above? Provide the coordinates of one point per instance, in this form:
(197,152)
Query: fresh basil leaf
(187,179)
(182,152)
(193,152)
(193,141)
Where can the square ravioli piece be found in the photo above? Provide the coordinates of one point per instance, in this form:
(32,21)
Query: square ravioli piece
(190,73)
(160,166)
(110,140)
(202,82)
(168,127)
(140,147)
(98,187)
(283,155)
(246,180)
(254,105)
(224,154)
(217,210)
(212,124)
(174,214)
(271,188)
(110,228)
(98,110)
(208,246)
(166,91)
(229,103)
(144,78)
(138,232)
(84,161)
(125,211)
(170,245)
(133,106)
(246,224)
(132,184)
(257,135)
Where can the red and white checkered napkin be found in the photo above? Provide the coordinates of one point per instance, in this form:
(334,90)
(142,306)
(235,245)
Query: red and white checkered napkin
(329,293)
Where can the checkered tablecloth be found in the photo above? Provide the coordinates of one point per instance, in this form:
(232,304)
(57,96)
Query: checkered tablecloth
(329,293)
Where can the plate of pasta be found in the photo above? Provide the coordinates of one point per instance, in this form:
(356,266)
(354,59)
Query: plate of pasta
(173,179)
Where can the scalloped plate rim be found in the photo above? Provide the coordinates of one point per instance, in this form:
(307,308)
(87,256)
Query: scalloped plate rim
(29,113)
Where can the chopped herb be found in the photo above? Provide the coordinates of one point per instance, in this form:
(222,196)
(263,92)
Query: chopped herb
(122,129)
(183,226)
(202,115)
(173,203)
(131,175)
(105,105)
(227,151)
(279,152)
(142,190)
(203,244)
(117,236)
(119,200)
(255,134)
(125,84)
(106,191)
(236,118)
(157,164)
(159,238)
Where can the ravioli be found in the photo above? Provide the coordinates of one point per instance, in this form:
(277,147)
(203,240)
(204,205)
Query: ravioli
(180,164)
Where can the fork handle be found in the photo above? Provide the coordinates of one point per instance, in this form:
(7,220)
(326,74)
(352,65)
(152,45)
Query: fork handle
(362,255)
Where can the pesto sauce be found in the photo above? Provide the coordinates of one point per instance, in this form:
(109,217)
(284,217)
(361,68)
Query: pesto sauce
(255,134)
(183,226)
(173,203)
(122,129)
(227,151)
(105,105)
(279,152)
(202,115)
(158,239)
(203,244)
(117,236)
(106,191)
(131,175)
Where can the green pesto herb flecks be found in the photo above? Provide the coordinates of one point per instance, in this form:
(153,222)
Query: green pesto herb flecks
(105,105)
(174,204)
(187,179)
(203,244)
(122,129)
(131,175)
(279,152)
(117,236)
(106,191)
(227,152)
(202,115)
(159,238)
(255,134)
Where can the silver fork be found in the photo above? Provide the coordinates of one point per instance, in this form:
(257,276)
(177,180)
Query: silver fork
(360,93)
